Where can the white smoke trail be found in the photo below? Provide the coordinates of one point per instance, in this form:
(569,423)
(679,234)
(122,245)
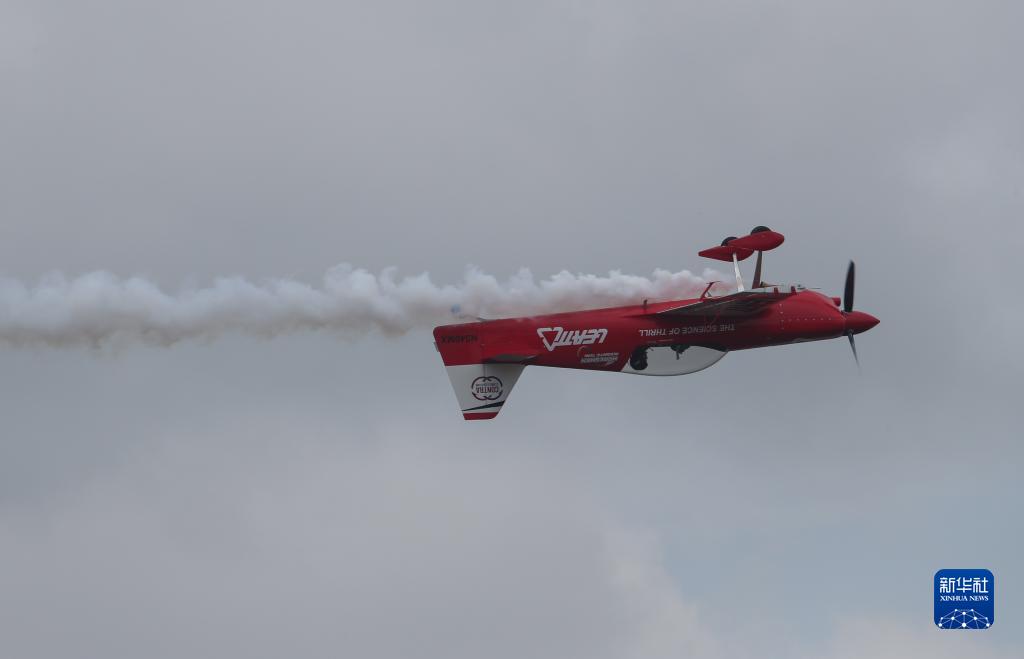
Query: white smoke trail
(100,309)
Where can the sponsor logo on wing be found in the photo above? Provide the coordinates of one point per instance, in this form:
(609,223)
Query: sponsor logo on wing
(553,337)
(486,387)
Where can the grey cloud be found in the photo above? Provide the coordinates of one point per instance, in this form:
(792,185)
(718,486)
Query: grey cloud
(201,140)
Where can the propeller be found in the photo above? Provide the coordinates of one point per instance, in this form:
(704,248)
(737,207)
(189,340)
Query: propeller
(851,276)
(851,273)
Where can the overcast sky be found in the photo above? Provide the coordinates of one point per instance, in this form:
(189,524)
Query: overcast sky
(314,497)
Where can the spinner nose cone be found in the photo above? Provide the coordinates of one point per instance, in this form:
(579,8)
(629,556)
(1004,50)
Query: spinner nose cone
(858,321)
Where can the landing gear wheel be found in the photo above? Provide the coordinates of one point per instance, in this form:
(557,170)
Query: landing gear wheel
(759,229)
(726,241)
(638,360)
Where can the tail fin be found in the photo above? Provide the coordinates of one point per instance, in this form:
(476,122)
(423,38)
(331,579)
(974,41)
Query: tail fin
(481,388)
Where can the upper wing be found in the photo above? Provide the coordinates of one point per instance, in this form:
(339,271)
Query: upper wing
(761,239)
(737,305)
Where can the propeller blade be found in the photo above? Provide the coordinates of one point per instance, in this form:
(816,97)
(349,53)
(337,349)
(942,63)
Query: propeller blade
(853,346)
(848,290)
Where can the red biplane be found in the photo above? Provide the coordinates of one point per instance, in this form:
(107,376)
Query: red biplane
(484,359)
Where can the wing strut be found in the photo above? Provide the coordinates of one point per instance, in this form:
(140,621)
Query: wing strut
(739,278)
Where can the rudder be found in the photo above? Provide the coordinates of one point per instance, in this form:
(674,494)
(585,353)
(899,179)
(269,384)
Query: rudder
(482,389)
(481,386)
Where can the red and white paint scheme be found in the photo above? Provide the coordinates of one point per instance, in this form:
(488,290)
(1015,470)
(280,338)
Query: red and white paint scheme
(484,359)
